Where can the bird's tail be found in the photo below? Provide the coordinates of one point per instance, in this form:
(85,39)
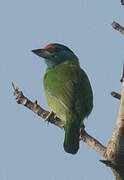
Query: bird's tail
(71,142)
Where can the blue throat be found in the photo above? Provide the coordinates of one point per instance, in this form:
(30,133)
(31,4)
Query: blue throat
(62,57)
(52,64)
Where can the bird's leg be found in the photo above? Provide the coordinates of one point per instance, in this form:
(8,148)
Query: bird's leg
(51,114)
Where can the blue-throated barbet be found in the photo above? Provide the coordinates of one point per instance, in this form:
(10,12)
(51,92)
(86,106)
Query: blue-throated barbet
(68,90)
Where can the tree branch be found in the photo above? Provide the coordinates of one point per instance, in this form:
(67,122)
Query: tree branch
(33,106)
(115,148)
(93,143)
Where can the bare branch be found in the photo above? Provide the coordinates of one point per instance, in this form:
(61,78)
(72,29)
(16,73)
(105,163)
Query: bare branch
(84,136)
(92,142)
(118,27)
(115,148)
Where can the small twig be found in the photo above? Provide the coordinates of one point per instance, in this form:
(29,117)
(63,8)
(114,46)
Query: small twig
(13,86)
(84,136)
(118,27)
(116,95)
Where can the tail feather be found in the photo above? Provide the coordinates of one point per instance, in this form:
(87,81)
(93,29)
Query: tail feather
(71,142)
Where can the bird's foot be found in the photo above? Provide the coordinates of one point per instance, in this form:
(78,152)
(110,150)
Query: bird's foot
(82,129)
(51,114)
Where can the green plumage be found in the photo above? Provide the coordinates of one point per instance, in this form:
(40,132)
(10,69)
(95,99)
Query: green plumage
(69,95)
(68,90)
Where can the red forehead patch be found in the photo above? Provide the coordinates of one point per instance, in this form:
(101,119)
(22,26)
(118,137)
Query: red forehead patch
(48,47)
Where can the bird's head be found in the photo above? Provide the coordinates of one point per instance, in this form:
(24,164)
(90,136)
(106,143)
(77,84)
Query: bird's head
(55,54)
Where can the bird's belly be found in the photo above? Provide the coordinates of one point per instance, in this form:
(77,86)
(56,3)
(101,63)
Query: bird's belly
(57,106)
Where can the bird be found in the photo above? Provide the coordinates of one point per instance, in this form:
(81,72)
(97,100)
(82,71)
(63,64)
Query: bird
(68,90)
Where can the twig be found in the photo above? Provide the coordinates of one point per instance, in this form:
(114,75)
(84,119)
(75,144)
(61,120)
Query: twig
(118,27)
(116,95)
(13,86)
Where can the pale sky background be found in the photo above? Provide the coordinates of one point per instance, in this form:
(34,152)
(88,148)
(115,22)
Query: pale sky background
(31,149)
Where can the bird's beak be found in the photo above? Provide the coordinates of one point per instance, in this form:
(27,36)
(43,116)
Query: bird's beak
(42,53)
